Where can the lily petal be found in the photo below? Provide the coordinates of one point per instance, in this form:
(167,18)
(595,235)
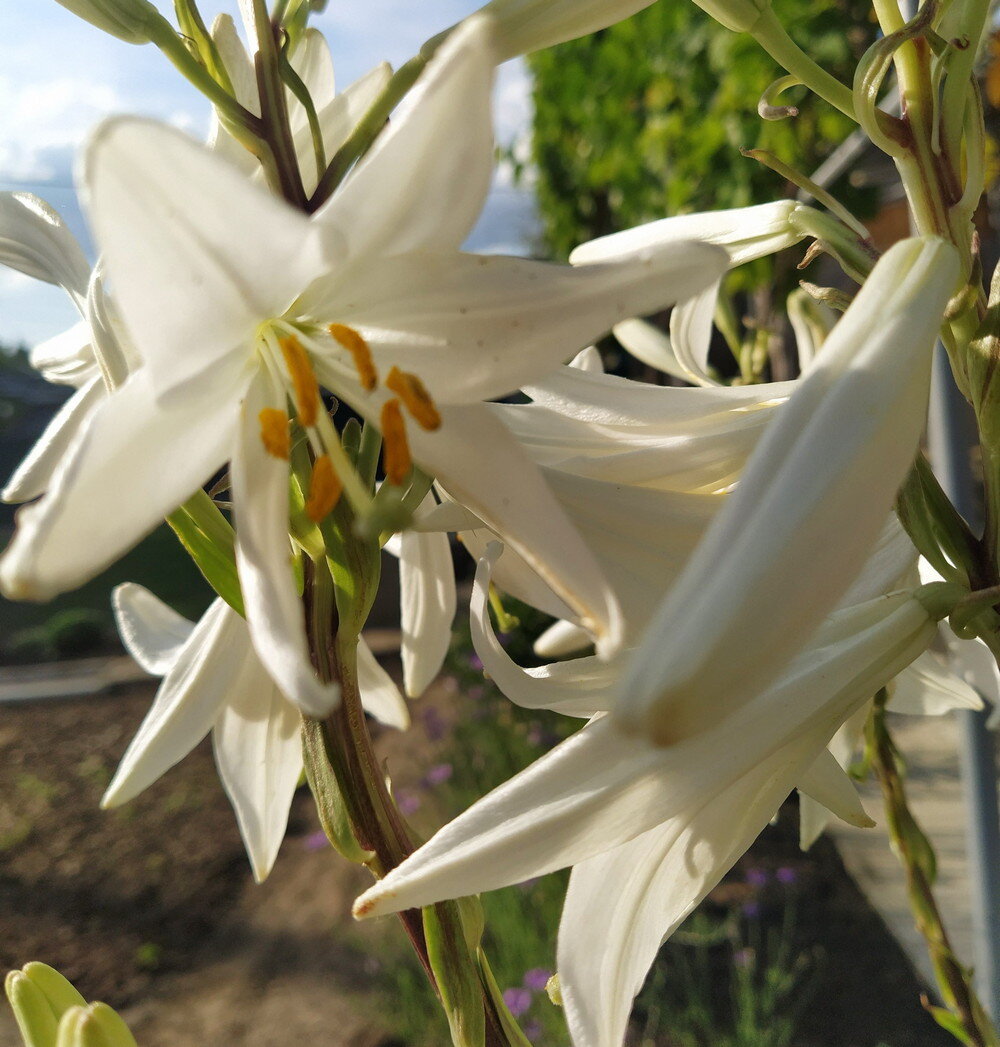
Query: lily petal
(379,694)
(34,475)
(807,511)
(153,633)
(258,752)
(826,782)
(35,241)
(427,606)
(134,463)
(186,705)
(263,558)
(230,243)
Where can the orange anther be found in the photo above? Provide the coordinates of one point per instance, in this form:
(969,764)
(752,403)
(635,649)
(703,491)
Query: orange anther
(274,432)
(355,344)
(396,458)
(300,370)
(324,489)
(413,393)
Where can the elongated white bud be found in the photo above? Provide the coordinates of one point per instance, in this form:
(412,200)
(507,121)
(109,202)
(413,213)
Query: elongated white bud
(129,20)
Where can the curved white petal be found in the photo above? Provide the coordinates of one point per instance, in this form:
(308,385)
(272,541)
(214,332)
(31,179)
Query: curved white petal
(601,788)
(745,232)
(480,464)
(826,782)
(588,359)
(581,687)
(622,905)
(691,333)
(152,632)
(189,699)
(67,358)
(379,694)
(477,326)
(423,183)
(33,476)
(258,752)
(927,688)
(198,256)
(427,606)
(560,639)
(35,241)
(653,347)
(807,511)
(263,558)
(135,463)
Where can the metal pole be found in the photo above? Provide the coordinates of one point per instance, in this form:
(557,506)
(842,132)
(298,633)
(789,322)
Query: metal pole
(952,434)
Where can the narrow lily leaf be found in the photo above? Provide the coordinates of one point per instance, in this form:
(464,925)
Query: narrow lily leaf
(807,511)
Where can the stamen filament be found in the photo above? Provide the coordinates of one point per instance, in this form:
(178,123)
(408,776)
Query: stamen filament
(412,391)
(356,345)
(396,458)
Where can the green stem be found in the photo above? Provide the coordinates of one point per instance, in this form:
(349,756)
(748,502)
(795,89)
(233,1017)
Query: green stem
(916,855)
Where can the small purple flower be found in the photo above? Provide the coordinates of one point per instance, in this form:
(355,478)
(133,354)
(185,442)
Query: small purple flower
(435,725)
(518,1000)
(407,801)
(751,910)
(438,774)
(743,958)
(757,877)
(315,841)
(786,875)
(475,662)
(537,978)
(533,1030)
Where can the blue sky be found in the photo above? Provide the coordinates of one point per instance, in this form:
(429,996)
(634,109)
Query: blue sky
(59,77)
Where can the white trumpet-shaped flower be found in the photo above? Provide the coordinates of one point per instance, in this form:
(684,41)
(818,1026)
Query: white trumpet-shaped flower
(653,829)
(807,509)
(239,305)
(214,682)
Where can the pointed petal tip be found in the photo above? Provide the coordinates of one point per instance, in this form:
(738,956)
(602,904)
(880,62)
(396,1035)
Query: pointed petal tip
(371,903)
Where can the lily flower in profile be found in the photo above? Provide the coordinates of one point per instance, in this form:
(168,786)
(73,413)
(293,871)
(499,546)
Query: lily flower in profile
(806,512)
(214,682)
(240,306)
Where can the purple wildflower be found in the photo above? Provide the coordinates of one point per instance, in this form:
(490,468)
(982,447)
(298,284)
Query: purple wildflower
(751,910)
(518,1000)
(757,877)
(532,1030)
(438,774)
(435,725)
(407,801)
(315,841)
(537,978)
(786,875)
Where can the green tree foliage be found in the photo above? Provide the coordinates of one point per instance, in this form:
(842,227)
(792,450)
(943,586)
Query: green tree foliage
(615,138)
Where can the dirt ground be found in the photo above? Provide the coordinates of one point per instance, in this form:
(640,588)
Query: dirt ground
(152,908)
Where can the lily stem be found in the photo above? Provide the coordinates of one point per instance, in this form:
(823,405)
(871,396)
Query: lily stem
(965,1017)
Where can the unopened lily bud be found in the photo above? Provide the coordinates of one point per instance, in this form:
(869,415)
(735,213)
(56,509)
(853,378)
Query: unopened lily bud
(129,20)
(35,1018)
(529,25)
(738,15)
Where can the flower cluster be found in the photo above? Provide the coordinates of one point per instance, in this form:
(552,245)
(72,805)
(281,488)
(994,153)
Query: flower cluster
(732,566)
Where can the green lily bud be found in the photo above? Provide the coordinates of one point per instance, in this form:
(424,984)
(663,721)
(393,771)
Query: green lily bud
(129,20)
(34,1015)
(455,974)
(741,16)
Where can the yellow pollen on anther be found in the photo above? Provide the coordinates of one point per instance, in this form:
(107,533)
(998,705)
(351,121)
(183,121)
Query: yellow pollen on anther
(396,458)
(324,490)
(300,370)
(274,432)
(355,344)
(413,393)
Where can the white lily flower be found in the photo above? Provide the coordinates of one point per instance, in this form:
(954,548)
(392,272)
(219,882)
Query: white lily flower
(807,510)
(746,233)
(214,681)
(238,303)
(524,26)
(640,817)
